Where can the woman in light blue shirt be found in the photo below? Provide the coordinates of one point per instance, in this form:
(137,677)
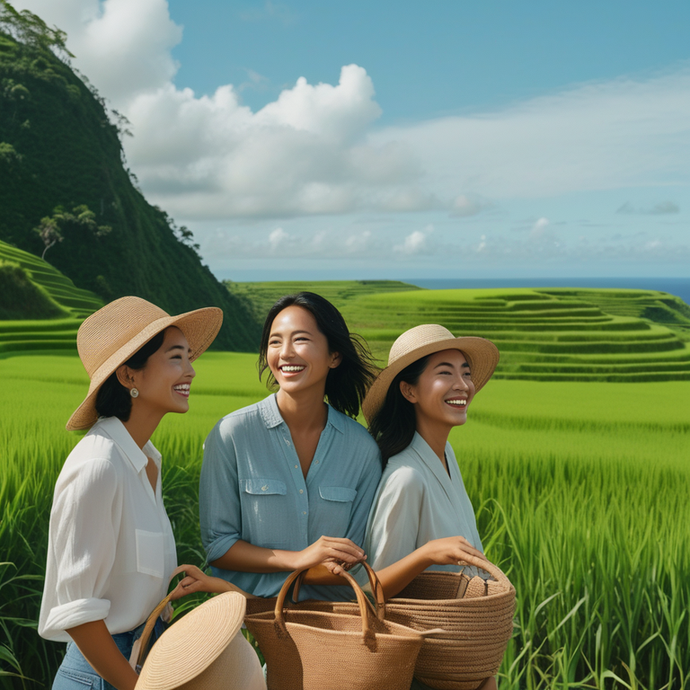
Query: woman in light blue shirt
(421,516)
(287,483)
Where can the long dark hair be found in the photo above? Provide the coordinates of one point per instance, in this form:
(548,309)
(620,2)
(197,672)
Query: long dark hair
(113,399)
(346,384)
(393,426)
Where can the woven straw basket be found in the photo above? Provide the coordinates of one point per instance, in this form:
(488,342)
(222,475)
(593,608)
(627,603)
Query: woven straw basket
(322,645)
(475,615)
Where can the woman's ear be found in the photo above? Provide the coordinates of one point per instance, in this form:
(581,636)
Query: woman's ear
(124,376)
(408,392)
(336,359)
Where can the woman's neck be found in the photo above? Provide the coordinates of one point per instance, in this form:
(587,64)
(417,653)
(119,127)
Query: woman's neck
(436,436)
(141,425)
(304,411)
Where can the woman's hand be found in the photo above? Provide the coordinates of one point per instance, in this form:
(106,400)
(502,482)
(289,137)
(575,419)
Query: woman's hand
(449,550)
(336,553)
(196,580)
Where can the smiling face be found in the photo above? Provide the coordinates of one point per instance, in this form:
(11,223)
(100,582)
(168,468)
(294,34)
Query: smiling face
(443,392)
(298,354)
(164,383)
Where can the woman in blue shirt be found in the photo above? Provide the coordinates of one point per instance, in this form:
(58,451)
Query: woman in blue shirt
(287,483)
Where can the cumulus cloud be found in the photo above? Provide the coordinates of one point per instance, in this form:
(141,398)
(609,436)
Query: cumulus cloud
(660,209)
(415,243)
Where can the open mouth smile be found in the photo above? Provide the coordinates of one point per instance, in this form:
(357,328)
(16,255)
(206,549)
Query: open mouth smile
(292,368)
(182,389)
(460,403)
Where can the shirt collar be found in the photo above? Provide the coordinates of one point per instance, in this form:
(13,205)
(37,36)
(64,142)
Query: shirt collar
(429,458)
(116,430)
(270,413)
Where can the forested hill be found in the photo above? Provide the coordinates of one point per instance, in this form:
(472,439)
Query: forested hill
(61,168)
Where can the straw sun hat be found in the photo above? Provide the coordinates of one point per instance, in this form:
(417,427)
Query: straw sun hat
(114,333)
(421,341)
(204,650)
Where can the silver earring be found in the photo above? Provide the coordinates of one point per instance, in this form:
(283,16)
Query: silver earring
(134,393)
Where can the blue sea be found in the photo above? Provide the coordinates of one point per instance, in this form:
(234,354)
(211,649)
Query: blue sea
(676,286)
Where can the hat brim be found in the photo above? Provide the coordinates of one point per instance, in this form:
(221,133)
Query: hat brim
(482,356)
(189,646)
(200,327)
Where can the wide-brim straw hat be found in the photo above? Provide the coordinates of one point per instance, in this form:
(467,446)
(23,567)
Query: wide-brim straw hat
(114,333)
(204,650)
(481,354)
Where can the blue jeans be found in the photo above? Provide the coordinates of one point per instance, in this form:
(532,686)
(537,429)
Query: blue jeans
(75,672)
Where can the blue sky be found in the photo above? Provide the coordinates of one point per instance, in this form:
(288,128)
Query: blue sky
(404,140)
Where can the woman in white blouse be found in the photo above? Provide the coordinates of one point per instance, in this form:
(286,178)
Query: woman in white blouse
(421,516)
(111,549)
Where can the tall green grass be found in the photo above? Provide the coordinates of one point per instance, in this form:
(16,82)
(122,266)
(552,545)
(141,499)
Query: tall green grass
(580,490)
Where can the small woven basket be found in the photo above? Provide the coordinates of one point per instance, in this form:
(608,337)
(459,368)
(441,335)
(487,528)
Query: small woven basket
(476,616)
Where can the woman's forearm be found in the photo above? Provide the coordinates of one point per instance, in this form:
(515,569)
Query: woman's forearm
(99,649)
(247,558)
(397,576)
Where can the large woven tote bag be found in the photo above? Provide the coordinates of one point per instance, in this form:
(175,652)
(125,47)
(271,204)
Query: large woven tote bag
(476,616)
(326,649)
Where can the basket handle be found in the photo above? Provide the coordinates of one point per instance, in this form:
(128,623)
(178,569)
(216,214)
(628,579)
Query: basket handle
(141,645)
(489,567)
(364,605)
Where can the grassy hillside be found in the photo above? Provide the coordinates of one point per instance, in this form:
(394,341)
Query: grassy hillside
(72,305)
(543,334)
(58,148)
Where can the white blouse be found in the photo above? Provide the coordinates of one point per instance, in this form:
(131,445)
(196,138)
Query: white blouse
(111,549)
(418,501)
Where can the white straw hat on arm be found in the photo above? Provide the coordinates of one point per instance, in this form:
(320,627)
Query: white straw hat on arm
(205,650)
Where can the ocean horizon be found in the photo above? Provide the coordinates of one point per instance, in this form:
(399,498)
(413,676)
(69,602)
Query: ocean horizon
(680,287)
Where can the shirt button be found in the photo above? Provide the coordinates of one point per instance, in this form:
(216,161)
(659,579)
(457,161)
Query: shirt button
(301,491)
(295,466)
(264,488)
(317,462)
(304,512)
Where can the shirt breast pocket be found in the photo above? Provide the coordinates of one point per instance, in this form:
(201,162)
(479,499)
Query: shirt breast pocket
(264,512)
(150,553)
(337,502)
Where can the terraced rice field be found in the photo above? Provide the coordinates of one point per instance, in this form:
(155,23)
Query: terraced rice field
(543,334)
(547,335)
(46,335)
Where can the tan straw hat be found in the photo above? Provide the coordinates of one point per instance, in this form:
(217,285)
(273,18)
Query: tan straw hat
(114,333)
(421,341)
(204,650)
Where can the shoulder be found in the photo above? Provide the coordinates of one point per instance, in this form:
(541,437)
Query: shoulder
(95,460)
(351,429)
(244,419)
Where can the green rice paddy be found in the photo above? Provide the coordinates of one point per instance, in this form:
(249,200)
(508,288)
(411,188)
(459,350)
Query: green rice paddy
(580,491)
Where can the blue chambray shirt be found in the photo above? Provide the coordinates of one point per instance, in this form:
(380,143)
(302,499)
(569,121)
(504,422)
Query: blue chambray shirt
(252,488)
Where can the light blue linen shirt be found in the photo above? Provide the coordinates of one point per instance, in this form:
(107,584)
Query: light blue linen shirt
(252,488)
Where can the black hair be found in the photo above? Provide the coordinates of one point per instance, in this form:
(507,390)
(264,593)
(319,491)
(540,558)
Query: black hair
(394,424)
(346,384)
(113,399)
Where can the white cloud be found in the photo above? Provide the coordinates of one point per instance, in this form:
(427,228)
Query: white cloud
(415,243)
(464,206)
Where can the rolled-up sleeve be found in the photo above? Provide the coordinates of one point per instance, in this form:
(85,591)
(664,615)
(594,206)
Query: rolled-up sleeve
(83,533)
(220,513)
